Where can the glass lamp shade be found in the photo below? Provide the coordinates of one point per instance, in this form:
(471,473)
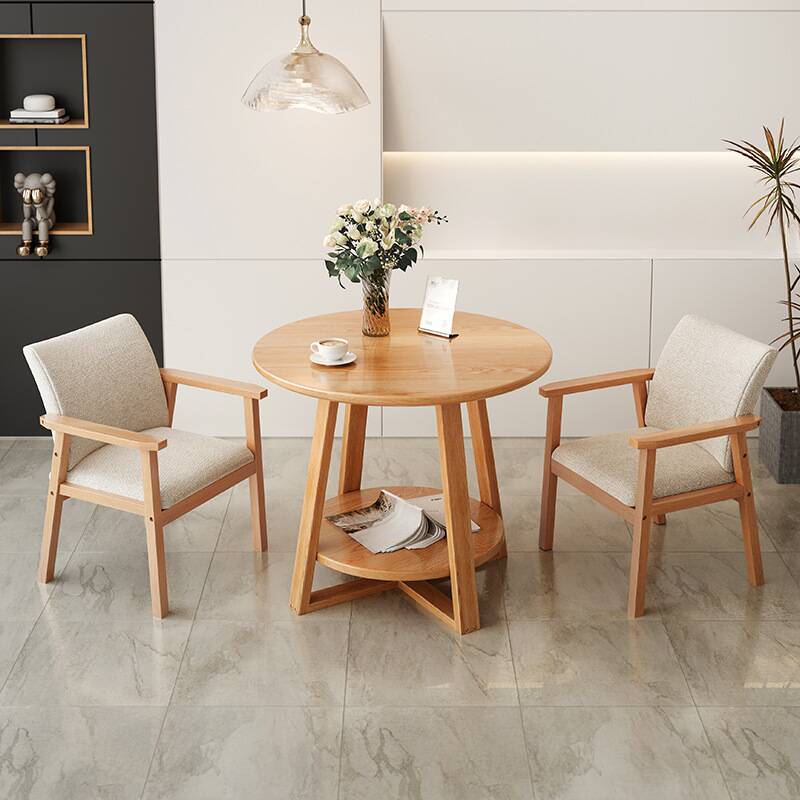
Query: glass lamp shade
(305,78)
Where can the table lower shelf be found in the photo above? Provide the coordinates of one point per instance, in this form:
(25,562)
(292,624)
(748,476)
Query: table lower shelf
(343,554)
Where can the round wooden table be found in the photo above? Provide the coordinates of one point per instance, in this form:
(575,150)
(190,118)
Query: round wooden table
(489,357)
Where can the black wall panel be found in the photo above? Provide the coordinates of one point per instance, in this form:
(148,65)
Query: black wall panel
(67,295)
(122,126)
(118,269)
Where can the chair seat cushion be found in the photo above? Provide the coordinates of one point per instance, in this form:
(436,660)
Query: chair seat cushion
(187,464)
(611,464)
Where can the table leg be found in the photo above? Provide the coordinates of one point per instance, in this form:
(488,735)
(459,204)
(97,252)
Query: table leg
(355,431)
(457,517)
(484,461)
(313,502)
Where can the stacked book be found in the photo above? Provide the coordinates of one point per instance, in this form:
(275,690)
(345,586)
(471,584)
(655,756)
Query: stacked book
(23,117)
(392,523)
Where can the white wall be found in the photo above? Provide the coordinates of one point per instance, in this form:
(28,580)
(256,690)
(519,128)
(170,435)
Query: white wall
(246,197)
(566,81)
(562,138)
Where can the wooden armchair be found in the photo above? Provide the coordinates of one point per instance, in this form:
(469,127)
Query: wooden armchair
(705,372)
(110,410)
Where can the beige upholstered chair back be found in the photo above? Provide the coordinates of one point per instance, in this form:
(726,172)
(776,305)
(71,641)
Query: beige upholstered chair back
(104,373)
(707,373)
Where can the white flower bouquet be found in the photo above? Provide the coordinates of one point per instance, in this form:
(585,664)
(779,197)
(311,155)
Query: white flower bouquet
(369,240)
(369,236)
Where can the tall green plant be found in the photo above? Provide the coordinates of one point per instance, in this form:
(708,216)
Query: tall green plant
(776,164)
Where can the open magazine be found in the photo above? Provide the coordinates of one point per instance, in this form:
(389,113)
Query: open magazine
(392,523)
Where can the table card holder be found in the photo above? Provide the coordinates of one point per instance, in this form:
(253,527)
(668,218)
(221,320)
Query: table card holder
(439,307)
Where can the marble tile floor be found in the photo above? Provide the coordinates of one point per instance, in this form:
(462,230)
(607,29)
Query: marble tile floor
(558,696)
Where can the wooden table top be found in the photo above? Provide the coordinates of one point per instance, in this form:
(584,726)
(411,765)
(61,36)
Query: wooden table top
(489,357)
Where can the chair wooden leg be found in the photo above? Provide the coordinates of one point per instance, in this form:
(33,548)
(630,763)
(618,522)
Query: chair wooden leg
(313,502)
(55,502)
(747,510)
(547,515)
(258,505)
(660,519)
(641,533)
(457,517)
(353,440)
(155,535)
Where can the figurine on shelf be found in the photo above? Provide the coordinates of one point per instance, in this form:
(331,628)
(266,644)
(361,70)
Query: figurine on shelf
(38,198)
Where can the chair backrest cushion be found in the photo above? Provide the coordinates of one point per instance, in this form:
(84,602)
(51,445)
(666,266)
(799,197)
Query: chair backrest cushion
(707,373)
(103,373)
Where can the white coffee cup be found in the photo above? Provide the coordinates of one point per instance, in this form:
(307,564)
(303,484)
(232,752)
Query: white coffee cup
(330,349)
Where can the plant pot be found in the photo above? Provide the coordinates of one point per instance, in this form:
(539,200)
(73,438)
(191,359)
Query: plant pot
(375,320)
(779,439)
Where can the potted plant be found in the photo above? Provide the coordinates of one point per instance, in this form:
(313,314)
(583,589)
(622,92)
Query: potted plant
(368,240)
(779,438)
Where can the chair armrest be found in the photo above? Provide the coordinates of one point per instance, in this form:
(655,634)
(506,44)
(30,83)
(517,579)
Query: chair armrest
(694,433)
(593,382)
(101,433)
(251,390)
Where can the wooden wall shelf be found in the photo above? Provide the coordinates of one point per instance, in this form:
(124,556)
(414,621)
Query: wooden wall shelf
(73,123)
(21,76)
(78,179)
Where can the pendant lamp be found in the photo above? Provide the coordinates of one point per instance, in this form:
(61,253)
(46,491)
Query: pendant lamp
(305,78)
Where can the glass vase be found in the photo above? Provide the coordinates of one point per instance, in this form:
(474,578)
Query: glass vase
(375,321)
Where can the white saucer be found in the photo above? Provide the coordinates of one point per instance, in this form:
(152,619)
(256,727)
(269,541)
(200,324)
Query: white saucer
(347,358)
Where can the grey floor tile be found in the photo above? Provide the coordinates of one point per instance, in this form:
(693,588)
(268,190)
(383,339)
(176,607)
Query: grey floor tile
(441,753)
(277,663)
(739,663)
(400,656)
(621,753)
(602,664)
(707,529)
(566,586)
(196,531)
(778,508)
(401,462)
(25,468)
(286,466)
(96,664)
(22,519)
(254,587)
(792,561)
(582,525)
(758,750)
(12,638)
(5,446)
(116,586)
(76,753)
(22,597)
(714,586)
(283,522)
(243,753)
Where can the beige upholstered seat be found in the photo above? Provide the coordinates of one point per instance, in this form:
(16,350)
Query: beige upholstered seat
(611,464)
(690,448)
(188,463)
(110,408)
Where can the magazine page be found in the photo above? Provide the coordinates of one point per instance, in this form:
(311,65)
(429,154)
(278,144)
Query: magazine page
(392,523)
(433,506)
(384,526)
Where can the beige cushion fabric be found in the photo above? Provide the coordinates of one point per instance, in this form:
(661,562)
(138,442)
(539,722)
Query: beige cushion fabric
(104,373)
(188,463)
(611,464)
(707,373)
